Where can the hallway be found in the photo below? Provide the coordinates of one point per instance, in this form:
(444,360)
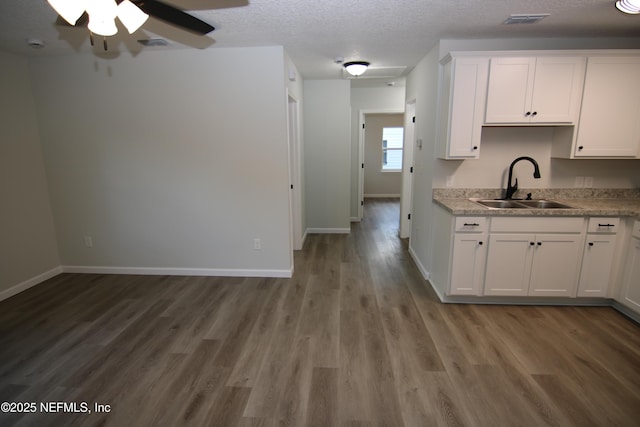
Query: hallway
(355,338)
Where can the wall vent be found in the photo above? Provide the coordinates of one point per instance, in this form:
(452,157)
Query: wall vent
(530,18)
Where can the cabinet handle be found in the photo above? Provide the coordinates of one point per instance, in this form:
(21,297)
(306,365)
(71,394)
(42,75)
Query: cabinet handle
(527,114)
(473,224)
(580,147)
(475,147)
(535,113)
(539,243)
(531,243)
(480,243)
(606,225)
(590,243)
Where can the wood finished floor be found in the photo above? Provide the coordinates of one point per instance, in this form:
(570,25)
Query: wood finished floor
(355,338)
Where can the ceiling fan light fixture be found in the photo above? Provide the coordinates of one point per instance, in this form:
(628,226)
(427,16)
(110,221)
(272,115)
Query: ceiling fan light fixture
(103,27)
(102,17)
(631,7)
(356,68)
(70,10)
(131,16)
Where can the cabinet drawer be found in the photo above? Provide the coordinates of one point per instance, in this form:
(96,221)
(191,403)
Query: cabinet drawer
(534,224)
(603,225)
(471,224)
(636,229)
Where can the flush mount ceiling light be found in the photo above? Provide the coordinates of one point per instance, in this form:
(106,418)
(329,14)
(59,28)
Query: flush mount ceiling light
(356,68)
(631,7)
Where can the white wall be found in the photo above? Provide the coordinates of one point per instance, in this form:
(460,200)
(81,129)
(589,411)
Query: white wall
(376,182)
(172,160)
(327,155)
(369,99)
(501,145)
(422,86)
(28,248)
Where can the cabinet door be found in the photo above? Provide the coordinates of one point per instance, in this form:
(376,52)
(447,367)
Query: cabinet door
(610,116)
(557,89)
(556,263)
(462,112)
(631,289)
(467,267)
(510,90)
(509,259)
(596,265)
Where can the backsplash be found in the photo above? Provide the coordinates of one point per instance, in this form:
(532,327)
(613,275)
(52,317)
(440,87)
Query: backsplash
(539,193)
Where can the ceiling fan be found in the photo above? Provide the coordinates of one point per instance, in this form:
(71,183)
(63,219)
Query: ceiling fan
(100,15)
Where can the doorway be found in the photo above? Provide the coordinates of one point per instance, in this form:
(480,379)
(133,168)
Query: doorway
(390,184)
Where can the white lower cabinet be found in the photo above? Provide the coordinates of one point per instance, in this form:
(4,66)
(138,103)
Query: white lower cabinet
(597,258)
(538,256)
(468,256)
(467,267)
(532,264)
(630,295)
(508,264)
(556,265)
(544,260)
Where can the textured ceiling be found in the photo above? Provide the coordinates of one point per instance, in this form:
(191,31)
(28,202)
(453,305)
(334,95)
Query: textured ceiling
(388,33)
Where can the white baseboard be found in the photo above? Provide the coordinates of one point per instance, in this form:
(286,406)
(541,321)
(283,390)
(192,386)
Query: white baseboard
(155,271)
(373,196)
(329,230)
(29,283)
(355,219)
(425,273)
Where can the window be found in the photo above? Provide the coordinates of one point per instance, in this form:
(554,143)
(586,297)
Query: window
(392,140)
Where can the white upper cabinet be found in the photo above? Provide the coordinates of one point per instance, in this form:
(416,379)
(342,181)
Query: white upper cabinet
(461,110)
(610,117)
(534,90)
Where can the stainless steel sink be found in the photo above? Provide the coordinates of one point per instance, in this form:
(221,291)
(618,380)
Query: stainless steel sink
(544,204)
(521,204)
(501,204)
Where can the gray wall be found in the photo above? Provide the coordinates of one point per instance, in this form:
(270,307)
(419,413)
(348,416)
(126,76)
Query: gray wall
(171,161)
(28,247)
(327,155)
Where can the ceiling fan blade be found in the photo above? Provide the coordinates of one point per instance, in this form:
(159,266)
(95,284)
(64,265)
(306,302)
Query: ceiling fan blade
(173,16)
(81,22)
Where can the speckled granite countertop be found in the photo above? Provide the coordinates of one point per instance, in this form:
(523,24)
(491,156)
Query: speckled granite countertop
(587,202)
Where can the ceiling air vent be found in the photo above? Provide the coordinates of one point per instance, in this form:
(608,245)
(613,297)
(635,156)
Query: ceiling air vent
(153,42)
(525,18)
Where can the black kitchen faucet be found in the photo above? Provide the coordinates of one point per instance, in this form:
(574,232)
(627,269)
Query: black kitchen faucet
(511,189)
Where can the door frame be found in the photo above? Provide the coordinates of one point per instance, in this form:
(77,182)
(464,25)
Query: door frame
(406,194)
(361,135)
(295,182)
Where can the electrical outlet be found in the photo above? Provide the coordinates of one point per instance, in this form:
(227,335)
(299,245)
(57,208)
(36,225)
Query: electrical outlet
(588,182)
(88,241)
(257,244)
(579,182)
(449,181)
